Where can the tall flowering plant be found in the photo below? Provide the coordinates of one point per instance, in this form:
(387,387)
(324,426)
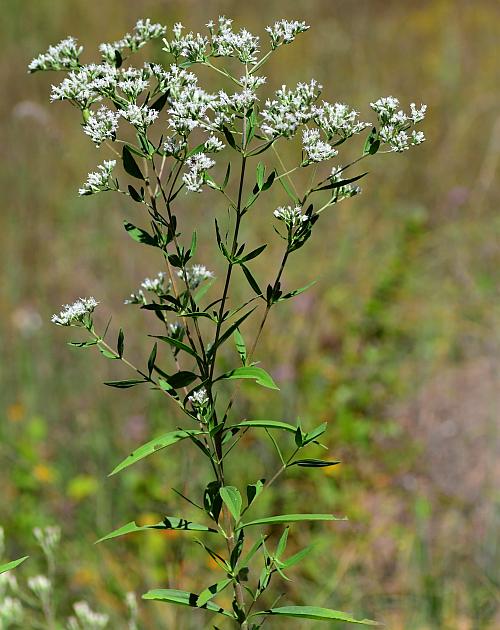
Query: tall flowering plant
(180,131)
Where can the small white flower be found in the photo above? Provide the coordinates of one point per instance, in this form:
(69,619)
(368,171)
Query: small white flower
(395,123)
(136,298)
(417,115)
(417,137)
(11,612)
(290,109)
(284,32)
(338,119)
(198,165)
(63,55)
(73,314)
(89,619)
(213,145)
(155,285)
(315,148)
(199,398)
(346,191)
(48,537)
(195,275)
(140,116)
(102,125)
(292,217)
(100,180)
(41,586)
(175,329)
(227,43)
(143,32)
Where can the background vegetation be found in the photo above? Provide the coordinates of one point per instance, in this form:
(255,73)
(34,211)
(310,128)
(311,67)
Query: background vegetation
(396,345)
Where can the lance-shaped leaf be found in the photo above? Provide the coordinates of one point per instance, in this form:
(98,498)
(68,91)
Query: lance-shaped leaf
(140,235)
(291,518)
(169,522)
(167,439)
(184,598)
(176,343)
(12,565)
(264,424)
(313,463)
(131,382)
(129,163)
(316,613)
(232,498)
(260,376)
(210,592)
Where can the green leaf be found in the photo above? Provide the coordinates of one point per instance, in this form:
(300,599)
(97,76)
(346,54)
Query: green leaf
(315,612)
(253,490)
(313,435)
(229,331)
(372,143)
(160,102)
(82,344)
(135,195)
(176,343)
(264,424)
(240,346)
(167,439)
(230,138)
(184,598)
(181,379)
(210,592)
(129,163)
(260,376)
(281,546)
(291,518)
(124,384)
(297,557)
(261,169)
(107,353)
(152,359)
(288,190)
(232,498)
(251,280)
(313,463)
(269,181)
(292,294)
(169,522)
(120,343)
(12,565)
(140,235)
(340,183)
(253,254)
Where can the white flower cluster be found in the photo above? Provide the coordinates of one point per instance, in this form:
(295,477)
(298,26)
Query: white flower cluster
(290,109)
(49,537)
(176,330)
(143,32)
(102,125)
(86,619)
(133,81)
(78,88)
(153,285)
(284,32)
(71,314)
(199,398)
(63,55)
(292,217)
(213,145)
(338,119)
(198,165)
(100,180)
(345,191)
(316,149)
(395,123)
(188,109)
(41,587)
(140,116)
(195,276)
(11,612)
(192,46)
(227,43)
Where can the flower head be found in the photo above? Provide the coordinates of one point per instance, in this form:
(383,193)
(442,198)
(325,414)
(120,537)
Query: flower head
(198,165)
(63,55)
(395,123)
(315,148)
(290,109)
(100,180)
(86,618)
(292,217)
(140,116)
(73,315)
(338,119)
(284,32)
(199,398)
(195,275)
(102,125)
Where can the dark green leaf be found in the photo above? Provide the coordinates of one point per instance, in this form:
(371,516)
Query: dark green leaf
(120,343)
(176,343)
(184,598)
(129,163)
(269,181)
(135,195)
(124,384)
(82,344)
(253,490)
(372,143)
(140,235)
(261,169)
(252,254)
(210,592)
(169,522)
(292,294)
(251,280)
(341,183)
(230,138)
(152,359)
(160,102)
(181,379)
(313,463)
(264,424)
(240,346)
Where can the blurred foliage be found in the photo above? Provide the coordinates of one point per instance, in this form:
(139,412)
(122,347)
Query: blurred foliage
(407,295)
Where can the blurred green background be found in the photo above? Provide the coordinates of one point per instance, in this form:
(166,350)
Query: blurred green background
(396,345)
